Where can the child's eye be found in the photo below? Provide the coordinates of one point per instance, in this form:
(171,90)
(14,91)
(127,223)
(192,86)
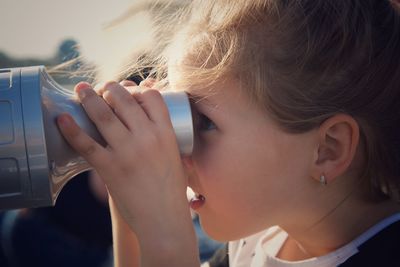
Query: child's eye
(204,123)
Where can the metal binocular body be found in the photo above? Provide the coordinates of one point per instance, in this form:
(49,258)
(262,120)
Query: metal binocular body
(35,160)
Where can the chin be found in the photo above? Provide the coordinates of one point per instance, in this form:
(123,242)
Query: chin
(220,232)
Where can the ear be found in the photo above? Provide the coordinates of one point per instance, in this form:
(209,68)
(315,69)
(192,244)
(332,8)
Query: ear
(338,140)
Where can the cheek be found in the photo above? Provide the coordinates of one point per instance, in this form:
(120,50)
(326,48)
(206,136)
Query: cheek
(249,183)
(220,161)
(210,165)
(235,182)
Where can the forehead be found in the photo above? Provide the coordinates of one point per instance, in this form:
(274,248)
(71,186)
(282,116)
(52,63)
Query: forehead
(188,72)
(178,82)
(194,85)
(215,88)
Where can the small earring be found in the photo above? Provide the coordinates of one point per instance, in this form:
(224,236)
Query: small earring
(322,180)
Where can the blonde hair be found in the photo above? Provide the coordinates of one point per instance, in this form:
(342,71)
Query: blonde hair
(302,61)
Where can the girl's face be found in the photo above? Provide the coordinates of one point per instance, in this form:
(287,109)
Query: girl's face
(250,173)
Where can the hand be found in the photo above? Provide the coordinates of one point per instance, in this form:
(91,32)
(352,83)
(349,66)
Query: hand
(141,165)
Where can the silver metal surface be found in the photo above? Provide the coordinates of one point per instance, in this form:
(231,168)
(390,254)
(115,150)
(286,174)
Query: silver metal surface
(35,160)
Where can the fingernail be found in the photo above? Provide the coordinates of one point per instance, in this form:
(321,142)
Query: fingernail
(127,83)
(64,120)
(82,89)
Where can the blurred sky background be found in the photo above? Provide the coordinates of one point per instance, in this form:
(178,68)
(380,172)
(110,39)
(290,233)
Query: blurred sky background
(35,28)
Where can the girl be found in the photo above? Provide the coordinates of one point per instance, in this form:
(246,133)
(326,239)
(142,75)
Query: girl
(296,159)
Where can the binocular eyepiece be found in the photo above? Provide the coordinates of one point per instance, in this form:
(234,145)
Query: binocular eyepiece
(35,160)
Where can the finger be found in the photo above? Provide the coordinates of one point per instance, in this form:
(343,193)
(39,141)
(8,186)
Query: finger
(94,153)
(127,83)
(108,124)
(149,82)
(131,86)
(153,104)
(124,105)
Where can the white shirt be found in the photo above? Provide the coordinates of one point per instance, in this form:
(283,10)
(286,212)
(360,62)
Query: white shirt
(260,250)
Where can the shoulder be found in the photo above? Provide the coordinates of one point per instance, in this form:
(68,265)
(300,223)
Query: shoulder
(380,250)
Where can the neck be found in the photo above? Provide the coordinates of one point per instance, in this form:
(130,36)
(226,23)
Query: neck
(342,225)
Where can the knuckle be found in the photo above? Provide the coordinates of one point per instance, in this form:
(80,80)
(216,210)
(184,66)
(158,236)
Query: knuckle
(73,137)
(130,100)
(127,83)
(150,140)
(108,96)
(88,150)
(125,166)
(109,85)
(104,87)
(105,116)
(72,133)
(87,96)
(154,98)
(152,94)
(149,82)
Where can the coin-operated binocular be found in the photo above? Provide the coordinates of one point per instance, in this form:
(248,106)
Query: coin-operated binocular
(35,160)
